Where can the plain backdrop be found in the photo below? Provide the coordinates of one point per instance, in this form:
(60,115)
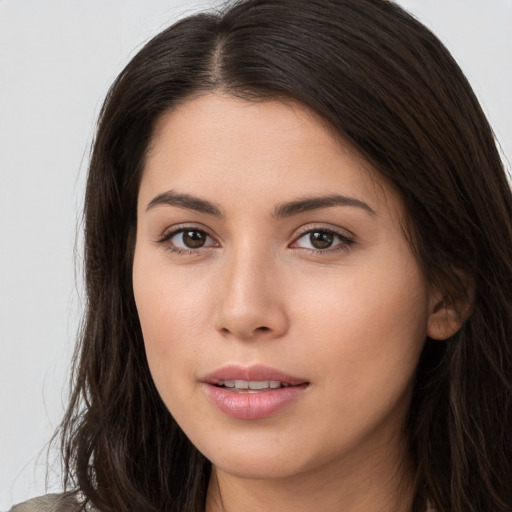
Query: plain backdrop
(57,59)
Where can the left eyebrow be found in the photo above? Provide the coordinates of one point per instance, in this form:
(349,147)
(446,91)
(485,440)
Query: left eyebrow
(317,203)
(188,201)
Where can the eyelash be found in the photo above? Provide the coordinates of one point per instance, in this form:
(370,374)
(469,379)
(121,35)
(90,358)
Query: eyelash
(344,241)
(180,250)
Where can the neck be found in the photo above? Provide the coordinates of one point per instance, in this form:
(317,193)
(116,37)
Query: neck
(373,484)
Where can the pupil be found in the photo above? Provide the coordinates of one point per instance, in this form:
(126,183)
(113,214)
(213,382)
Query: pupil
(194,239)
(321,240)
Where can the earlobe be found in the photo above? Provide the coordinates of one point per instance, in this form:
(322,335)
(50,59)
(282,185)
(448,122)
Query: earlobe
(447,314)
(443,322)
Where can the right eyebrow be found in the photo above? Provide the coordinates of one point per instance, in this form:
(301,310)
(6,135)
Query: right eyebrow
(188,201)
(317,203)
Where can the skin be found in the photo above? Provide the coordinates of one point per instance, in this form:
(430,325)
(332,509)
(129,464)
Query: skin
(350,318)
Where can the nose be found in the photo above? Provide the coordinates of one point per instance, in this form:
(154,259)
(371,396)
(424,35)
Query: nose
(251,301)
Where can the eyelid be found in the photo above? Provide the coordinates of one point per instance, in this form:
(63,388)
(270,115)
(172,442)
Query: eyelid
(174,230)
(346,237)
(170,231)
(336,230)
(320,226)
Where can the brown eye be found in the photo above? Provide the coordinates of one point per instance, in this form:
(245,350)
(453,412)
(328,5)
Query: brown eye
(194,239)
(321,239)
(188,239)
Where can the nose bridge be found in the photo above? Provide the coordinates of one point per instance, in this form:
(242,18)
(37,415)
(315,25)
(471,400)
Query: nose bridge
(249,302)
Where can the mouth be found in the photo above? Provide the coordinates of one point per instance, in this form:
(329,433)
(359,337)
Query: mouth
(255,378)
(254,392)
(251,386)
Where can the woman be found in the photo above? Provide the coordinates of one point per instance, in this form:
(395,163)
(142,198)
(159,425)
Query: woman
(298,235)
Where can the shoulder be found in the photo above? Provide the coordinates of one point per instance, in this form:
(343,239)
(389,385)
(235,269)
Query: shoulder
(50,503)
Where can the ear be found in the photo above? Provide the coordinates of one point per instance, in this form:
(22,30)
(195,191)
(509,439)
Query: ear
(449,309)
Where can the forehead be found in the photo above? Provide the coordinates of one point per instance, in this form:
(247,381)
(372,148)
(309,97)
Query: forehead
(220,119)
(216,144)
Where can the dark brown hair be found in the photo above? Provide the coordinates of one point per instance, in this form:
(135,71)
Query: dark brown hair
(391,89)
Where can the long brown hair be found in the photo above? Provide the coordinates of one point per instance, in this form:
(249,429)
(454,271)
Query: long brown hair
(391,89)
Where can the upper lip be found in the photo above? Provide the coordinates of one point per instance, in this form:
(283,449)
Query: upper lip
(257,372)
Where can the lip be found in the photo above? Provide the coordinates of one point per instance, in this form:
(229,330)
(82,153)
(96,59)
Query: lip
(252,406)
(253,372)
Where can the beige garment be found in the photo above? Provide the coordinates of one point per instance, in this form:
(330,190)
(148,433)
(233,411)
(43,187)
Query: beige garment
(66,503)
(48,503)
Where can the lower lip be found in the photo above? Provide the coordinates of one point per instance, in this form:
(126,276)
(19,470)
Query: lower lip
(253,406)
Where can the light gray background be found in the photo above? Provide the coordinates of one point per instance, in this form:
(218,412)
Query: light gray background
(57,59)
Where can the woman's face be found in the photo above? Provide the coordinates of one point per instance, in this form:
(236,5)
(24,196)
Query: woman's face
(282,309)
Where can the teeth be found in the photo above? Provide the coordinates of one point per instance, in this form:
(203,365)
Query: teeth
(253,384)
(264,384)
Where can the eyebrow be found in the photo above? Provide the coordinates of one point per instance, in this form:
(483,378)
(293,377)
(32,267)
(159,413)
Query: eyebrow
(171,198)
(316,203)
(288,209)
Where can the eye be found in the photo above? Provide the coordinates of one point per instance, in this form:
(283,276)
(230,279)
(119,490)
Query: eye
(188,239)
(322,240)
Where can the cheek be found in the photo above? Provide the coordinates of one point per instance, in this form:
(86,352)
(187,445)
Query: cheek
(367,328)
(172,307)
(364,345)
(168,296)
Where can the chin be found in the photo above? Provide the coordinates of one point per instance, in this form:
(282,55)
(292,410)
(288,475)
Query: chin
(258,469)
(264,460)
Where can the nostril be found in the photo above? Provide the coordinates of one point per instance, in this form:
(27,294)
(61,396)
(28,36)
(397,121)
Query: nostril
(248,334)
